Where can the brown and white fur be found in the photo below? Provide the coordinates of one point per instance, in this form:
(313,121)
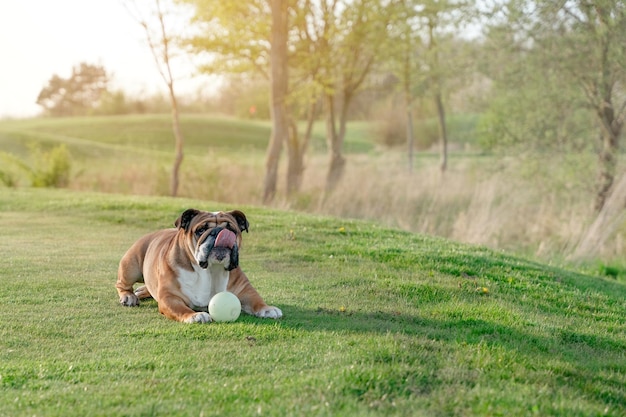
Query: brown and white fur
(184,267)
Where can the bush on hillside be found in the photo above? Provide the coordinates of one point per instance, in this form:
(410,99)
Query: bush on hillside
(45,169)
(7,178)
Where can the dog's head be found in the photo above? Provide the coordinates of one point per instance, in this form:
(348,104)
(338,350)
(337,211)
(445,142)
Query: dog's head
(213,238)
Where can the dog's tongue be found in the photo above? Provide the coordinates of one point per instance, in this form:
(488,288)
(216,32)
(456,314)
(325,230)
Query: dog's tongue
(225,239)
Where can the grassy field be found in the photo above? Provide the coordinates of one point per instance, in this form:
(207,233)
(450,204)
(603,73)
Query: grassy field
(153,133)
(377,322)
(536,205)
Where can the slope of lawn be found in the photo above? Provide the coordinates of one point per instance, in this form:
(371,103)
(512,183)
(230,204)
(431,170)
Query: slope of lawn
(377,322)
(154,133)
(134,153)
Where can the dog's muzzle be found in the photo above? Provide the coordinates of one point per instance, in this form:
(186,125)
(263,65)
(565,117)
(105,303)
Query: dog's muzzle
(218,246)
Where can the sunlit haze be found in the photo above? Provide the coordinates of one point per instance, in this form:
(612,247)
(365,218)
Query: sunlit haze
(39,38)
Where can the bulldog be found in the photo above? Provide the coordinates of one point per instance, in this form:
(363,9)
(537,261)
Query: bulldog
(184,267)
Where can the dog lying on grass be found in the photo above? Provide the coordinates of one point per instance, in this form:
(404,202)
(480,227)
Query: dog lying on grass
(184,267)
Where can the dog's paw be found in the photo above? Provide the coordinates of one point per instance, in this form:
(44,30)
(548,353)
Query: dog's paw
(129,300)
(142,292)
(269,312)
(201,317)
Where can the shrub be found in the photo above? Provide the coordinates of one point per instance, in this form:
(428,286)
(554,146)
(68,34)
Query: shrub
(7,178)
(47,168)
(53,167)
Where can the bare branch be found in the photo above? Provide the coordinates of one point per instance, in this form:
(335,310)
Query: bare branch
(160,49)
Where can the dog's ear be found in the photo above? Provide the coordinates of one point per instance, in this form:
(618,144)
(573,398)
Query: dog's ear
(242,222)
(185,219)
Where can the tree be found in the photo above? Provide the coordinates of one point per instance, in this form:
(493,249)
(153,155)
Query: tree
(252,37)
(403,53)
(432,17)
(571,55)
(232,36)
(441,64)
(77,95)
(601,28)
(427,57)
(160,41)
(346,40)
(279,91)
(329,46)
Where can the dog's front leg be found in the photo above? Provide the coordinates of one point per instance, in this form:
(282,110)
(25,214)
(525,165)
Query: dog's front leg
(174,307)
(251,301)
(128,274)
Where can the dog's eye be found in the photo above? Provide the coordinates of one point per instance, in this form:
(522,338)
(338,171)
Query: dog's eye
(201,230)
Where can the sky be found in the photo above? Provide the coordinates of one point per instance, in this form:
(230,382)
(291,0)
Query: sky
(40,38)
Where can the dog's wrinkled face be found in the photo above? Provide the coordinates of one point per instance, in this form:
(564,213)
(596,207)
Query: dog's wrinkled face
(213,238)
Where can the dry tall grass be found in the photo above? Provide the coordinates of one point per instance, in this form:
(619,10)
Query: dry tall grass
(596,239)
(473,202)
(530,206)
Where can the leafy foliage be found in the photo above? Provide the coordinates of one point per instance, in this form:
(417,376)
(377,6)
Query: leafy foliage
(234,35)
(77,95)
(50,168)
(560,82)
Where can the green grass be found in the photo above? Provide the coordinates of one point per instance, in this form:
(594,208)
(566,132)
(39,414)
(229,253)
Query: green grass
(119,152)
(102,136)
(377,322)
(154,133)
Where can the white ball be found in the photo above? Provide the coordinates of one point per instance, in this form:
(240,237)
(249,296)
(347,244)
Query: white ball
(224,306)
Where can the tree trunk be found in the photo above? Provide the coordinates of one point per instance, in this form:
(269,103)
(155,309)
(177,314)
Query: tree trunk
(334,142)
(408,99)
(409,137)
(278,109)
(311,115)
(161,53)
(335,171)
(295,163)
(443,134)
(178,137)
(343,120)
(610,122)
(610,130)
(608,220)
(297,150)
(441,115)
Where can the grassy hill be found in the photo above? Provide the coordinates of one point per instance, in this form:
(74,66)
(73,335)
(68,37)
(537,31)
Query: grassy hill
(140,133)
(134,154)
(377,322)
(536,205)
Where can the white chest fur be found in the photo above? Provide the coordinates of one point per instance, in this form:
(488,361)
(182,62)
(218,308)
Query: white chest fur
(200,285)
